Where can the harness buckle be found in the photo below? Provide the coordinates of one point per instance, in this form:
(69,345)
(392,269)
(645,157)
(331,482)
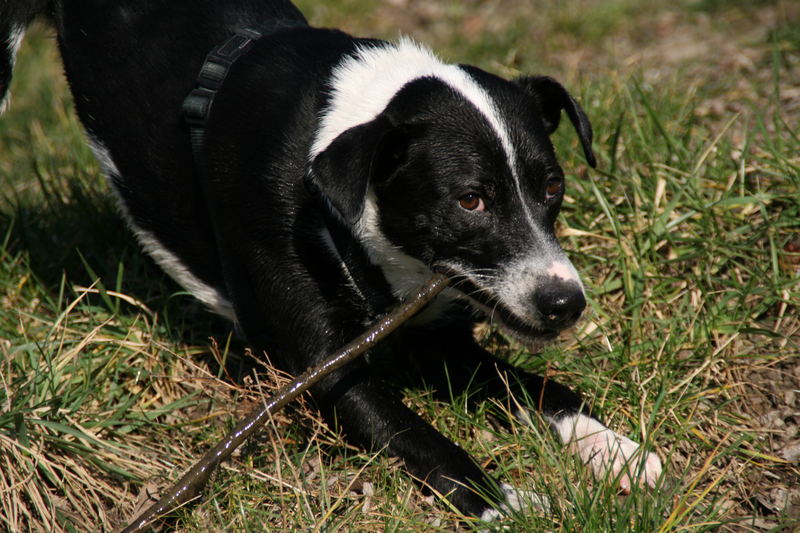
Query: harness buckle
(197,105)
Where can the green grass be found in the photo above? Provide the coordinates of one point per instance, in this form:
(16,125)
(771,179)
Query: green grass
(112,380)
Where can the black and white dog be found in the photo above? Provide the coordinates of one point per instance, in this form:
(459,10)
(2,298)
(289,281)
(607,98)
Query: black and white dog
(334,175)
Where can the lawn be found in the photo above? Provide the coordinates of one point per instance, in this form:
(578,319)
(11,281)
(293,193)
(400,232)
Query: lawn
(687,235)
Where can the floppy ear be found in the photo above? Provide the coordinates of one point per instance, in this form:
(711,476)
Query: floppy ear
(341,173)
(551,98)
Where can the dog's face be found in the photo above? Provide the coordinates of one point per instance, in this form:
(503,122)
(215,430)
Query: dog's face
(465,181)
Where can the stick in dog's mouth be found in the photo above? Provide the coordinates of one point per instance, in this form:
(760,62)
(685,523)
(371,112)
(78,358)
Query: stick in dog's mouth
(521,329)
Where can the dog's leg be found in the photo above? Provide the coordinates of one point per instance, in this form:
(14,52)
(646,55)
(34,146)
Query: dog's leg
(372,416)
(452,361)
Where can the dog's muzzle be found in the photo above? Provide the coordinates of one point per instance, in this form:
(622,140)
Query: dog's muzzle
(555,305)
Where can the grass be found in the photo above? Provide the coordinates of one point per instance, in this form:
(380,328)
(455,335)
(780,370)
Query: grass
(112,380)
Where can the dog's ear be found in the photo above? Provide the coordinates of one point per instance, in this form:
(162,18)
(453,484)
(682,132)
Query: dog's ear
(552,97)
(342,172)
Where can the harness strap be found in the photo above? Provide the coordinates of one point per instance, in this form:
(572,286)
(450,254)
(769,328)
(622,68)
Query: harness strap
(197,105)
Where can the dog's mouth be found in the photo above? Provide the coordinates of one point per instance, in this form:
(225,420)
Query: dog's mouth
(486,300)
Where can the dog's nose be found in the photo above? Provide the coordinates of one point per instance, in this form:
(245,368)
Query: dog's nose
(560,304)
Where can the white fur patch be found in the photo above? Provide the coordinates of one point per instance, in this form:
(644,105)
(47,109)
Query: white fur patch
(404,273)
(167,260)
(173,266)
(608,453)
(516,500)
(363,85)
(13,42)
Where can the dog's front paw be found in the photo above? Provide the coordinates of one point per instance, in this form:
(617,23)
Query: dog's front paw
(516,500)
(611,454)
(608,453)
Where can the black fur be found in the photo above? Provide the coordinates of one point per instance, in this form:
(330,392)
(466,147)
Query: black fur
(252,226)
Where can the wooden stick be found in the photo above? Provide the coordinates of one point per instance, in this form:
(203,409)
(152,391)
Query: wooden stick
(195,479)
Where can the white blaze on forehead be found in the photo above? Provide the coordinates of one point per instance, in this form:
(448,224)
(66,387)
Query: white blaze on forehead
(364,84)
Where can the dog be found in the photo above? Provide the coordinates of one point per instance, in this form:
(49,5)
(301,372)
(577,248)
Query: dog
(320,179)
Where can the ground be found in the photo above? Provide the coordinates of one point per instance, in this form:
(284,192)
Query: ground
(112,381)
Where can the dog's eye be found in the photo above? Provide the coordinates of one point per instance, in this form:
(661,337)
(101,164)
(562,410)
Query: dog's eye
(553,187)
(472,202)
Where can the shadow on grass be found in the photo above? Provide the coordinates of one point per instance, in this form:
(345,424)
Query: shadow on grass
(74,232)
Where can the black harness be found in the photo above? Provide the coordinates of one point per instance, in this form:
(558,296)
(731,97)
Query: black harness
(197,106)
(368,279)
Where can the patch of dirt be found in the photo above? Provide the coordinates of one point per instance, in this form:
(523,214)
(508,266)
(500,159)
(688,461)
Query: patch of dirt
(771,398)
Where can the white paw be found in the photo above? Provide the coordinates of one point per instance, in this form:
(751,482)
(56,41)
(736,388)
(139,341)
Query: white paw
(516,500)
(611,456)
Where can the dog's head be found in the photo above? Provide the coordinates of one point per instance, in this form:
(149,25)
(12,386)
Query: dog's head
(448,167)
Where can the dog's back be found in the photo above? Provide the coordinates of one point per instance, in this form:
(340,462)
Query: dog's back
(130,64)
